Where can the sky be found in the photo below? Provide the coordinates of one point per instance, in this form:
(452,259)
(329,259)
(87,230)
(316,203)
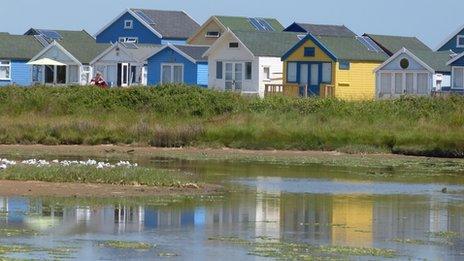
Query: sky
(430,20)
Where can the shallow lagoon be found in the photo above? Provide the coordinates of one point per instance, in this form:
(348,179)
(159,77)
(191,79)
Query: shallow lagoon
(271,211)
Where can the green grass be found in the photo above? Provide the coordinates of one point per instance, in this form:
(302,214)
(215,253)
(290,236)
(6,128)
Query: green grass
(178,116)
(89,174)
(126,245)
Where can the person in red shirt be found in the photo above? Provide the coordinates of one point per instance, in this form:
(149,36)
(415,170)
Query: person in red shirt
(99,81)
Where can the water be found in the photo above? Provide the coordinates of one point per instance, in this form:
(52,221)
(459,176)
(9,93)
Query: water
(271,203)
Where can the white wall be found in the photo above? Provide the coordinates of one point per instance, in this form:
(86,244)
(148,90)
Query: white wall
(276,67)
(225,54)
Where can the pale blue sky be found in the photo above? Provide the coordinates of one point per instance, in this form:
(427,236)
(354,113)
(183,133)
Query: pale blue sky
(430,20)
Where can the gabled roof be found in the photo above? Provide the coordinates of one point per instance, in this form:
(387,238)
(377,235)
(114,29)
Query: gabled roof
(321,29)
(341,48)
(271,44)
(451,36)
(21,47)
(455,58)
(138,52)
(239,23)
(80,44)
(392,44)
(436,60)
(170,24)
(163,23)
(410,54)
(193,53)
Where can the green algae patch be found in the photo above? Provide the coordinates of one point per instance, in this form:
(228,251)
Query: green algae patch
(288,250)
(16,232)
(126,245)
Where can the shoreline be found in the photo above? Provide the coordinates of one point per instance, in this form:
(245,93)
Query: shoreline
(11,188)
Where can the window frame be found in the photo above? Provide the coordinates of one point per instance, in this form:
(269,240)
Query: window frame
(248,75)
(331,73)
(309,52)
(454,76)
(9,69)
(210,35)
(344,65)
(131,22)
(233,43)
(296,72)
(219,66)
(128,39)
(172,65)
(458,39)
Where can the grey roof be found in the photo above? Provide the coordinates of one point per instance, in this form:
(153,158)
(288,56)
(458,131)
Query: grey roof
(349,48)
(21,47)
(436,60)
(170,24)
(272,44)
(327,30)
(194,51)
(392,43)
(141,51)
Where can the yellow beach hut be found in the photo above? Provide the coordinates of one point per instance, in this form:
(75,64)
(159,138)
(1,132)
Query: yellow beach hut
(332,66)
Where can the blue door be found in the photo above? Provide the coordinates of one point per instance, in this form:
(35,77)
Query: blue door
(310,79)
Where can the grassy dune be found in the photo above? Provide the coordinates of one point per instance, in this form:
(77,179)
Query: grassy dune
(173,116)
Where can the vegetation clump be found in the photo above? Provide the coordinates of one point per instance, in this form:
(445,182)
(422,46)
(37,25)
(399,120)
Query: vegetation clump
(178,116)
(126,245)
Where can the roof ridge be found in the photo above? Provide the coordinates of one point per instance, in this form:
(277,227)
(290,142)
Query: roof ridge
(246,17)
(160,10)
(339,25)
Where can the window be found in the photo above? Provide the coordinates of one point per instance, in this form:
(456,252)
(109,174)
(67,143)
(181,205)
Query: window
(327,73)
(422,83)
(314,74)
(5,70)
(309,51)
(291,72)
(248,70)
(219,70)
(267,73)
(212,34)
(458,77)
(344,65)
(128,24)
(128,39)
(172,73)
(385,83)
(460,41)
(398,83)
(233,45)
(409,83)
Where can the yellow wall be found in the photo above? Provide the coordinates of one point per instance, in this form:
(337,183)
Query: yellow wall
(200,39)
(357,83)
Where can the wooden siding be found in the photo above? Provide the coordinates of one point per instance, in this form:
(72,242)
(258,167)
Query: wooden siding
(21,74)
(201,39)
(357,83)
(116,30)
(452,44)
(202,74)
(168,55)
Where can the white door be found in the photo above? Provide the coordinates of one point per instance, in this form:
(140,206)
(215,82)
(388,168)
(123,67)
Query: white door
(234,76)
(125,74)
(144,75)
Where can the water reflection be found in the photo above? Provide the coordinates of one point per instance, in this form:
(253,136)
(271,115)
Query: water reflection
(364,221)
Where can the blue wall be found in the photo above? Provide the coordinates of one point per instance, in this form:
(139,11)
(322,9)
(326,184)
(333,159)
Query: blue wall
(202,74)
(116,30)
(458,62)
(21,74)
(451,44)
(170,56)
